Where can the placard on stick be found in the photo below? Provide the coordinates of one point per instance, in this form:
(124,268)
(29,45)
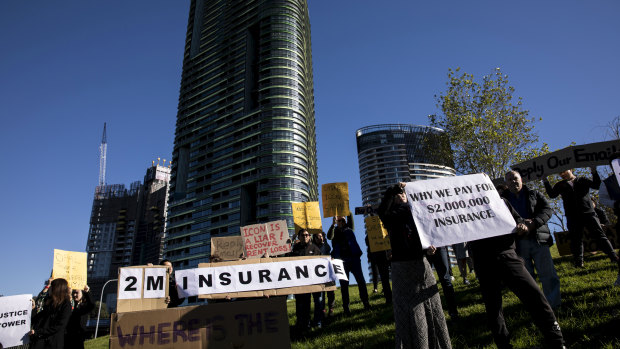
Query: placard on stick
(70,266)
(378,238)
(307,215)
(335,199)
(269,238)
(228,248)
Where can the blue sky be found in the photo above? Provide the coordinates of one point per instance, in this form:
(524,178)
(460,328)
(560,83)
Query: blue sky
(66,67)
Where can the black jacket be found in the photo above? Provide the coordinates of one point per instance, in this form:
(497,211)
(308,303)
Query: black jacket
(49,326)
(175,300)
(398,221)
(74,338)
(576,198)
(490,248)
(309,249)
(540,212)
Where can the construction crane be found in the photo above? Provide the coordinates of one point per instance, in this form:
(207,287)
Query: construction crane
(103,149)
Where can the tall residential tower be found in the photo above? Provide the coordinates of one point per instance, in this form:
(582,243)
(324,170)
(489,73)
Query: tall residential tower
(245,139)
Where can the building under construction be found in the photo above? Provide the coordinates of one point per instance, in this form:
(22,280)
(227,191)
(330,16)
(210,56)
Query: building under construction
(127,225)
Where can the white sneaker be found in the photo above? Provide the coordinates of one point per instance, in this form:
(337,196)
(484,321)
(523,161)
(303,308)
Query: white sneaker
(617,283)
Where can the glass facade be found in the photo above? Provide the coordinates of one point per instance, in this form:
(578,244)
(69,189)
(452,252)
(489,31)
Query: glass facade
(393,153)
(245,144)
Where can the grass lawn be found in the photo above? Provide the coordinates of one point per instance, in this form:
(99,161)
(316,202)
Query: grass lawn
(589,316)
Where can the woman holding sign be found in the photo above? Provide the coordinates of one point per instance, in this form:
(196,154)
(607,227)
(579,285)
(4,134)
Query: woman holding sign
(48,326)
(420,322)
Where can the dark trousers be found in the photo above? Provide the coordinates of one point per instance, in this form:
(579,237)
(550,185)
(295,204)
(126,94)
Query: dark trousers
(319,305)
(589,221)
(331,299)
(441,262)
(355,267)
(508,268)
(302,310)
(381,268)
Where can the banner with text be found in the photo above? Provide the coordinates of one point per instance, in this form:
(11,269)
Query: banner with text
(378,238)
(260,323)
(307,215)
(335,199)
(228,248)
(255,276)
(586,155)
(450,210)
(15,320)
(70,266)
(142,288)
(268,238)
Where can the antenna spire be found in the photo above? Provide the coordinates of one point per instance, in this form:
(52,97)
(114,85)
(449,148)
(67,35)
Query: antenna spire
(103,149)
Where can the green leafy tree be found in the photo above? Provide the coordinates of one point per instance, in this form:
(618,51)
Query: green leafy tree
(487,127)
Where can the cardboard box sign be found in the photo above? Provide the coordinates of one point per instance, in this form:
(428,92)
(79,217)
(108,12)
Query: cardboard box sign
(142,288)
(335,199)
(562,240)
(377,235)
(307,215)
(261,323)
(228,248)
(70,266)
(331,286)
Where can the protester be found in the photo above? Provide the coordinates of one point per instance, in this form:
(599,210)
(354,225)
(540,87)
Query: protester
(345,247)
(418,315)
(441,262)
(463,260)
(321,242)
(305,247)
(173,300)
(82,305)
(48,325)
(533,248)
(380,264)
(498,265)
(580,213)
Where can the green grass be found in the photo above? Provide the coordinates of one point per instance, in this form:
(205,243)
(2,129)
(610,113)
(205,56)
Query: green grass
(589,316)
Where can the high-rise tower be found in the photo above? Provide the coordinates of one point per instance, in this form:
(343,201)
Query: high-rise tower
(245,139)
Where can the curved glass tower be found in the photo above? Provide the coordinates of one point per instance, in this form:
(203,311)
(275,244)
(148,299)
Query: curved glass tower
(245,143)
(392,153)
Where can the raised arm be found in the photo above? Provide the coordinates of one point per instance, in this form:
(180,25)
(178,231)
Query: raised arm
(552,192)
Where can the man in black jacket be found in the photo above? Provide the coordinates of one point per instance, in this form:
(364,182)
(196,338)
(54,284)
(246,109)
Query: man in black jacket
(305,247)
(534,247)
(580,213)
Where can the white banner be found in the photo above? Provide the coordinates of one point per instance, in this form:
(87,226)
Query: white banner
(130,283)
(15,320)
(338,266)
(155,282)
(450,210)
(254,277)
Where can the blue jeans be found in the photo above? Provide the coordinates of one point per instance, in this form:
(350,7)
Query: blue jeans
(531,251)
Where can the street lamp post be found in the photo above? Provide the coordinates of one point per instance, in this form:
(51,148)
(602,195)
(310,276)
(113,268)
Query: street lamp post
(101,300)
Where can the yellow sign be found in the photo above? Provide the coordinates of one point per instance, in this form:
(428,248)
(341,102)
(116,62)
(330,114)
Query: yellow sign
(378,238)
(335,199)
(70,266)
(306,215)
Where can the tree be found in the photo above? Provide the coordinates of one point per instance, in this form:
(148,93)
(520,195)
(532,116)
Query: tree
(487,129)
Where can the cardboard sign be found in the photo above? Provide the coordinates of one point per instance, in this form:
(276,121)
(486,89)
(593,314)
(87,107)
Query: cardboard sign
(562,241)
(378,238)
(261,323)
(335,199)
(266,291)
(338,266)
(587,155)
(70,266)
(306,215)
(228,248)
(269,238)
(450,210)
(231,277)
(15,320)
(142,288)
